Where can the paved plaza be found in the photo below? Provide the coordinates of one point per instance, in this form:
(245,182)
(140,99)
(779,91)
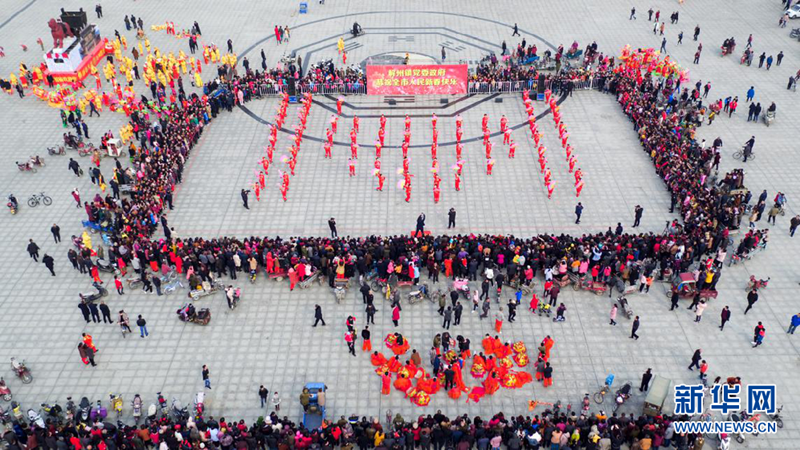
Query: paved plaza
(269,339)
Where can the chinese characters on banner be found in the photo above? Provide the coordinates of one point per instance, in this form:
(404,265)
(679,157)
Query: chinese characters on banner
(417,80)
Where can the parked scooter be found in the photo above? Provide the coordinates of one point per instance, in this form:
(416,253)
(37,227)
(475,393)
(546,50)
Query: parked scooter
(69,410)
(16,411)
(34,418)
(585,407)
(4,390)
(738,417)
(99,412)
(52,412)
(623,394)
(162,403)
(21,370)
(137,408)
(4,417)
(181,413)
(85,408)
(89,297)
(103,265)
(116,404)
(199,404)
(152,413)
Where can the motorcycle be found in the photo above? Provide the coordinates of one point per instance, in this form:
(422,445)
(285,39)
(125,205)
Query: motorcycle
(36,161)
(26,167)
(57,150)
(4,390)
(461,285)
(180,413)
(92,296)
(757,283)
(34,418)
(418,293)
(137,408)
(116,404)
(13,204)
(199,404)
(622,395)
(21,371)
(72,141)
(99,412)
(84,408)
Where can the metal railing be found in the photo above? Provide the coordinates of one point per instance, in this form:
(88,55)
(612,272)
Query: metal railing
(333,88)
(473,87)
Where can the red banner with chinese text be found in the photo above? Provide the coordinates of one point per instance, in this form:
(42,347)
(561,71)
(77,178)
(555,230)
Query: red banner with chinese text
(417,80)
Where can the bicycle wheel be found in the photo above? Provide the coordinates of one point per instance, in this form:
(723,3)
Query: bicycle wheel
(598,397)
(47,200)
(737,155)
(32,202)
(708,418)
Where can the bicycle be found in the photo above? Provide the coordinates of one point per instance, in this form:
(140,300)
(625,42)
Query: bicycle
(39,198)
(124,328)
(708,417)
(600,395)
(172,286)
(739,155)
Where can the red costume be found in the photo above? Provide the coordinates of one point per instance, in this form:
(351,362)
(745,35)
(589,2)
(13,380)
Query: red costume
(381,179)
(386,383)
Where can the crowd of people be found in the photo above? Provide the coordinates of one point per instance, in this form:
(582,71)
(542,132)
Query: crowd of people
(663,116)
(551,429)
(710,210)
(320,77)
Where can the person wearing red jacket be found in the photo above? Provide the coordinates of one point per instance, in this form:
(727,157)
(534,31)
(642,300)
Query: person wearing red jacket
(396,314)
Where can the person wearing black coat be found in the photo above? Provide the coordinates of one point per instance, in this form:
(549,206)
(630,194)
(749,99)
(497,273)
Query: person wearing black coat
(85,311)
(33,250)
(48,262)
(95,312)
(646,377)
(318,315)
(106,313)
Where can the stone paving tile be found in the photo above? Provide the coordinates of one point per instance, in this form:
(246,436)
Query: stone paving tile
(266,340)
